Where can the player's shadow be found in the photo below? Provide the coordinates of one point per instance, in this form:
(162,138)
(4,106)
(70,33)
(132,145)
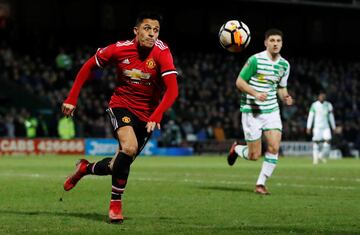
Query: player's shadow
(223,188)
(89,216)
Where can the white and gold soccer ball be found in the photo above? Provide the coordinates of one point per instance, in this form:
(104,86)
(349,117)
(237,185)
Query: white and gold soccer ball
(234,36)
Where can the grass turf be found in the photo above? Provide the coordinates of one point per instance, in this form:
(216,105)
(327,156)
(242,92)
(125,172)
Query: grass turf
(182,195)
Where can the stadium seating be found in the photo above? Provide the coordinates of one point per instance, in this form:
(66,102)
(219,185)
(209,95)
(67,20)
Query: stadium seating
(208,96)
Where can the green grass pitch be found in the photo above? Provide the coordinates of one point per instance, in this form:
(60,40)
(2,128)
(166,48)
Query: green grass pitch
(182,195)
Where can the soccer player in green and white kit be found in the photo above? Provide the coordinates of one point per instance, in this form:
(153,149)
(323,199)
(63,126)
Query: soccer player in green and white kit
(263,77)
(321,114)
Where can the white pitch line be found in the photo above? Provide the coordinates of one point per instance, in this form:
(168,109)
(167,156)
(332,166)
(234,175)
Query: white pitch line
(333,179)
(245,183)
(184,180)
(23,175)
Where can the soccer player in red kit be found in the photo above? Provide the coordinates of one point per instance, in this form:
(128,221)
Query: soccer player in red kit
(146,88)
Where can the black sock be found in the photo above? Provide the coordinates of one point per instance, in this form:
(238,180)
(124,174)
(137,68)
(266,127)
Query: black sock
(120,174)
(101,167)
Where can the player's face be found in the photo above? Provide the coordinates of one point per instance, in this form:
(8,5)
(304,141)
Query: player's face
(322,97)
(273,44)
(147,32)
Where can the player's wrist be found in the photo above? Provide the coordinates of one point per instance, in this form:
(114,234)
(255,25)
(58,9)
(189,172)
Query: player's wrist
(70,100)
(156,118)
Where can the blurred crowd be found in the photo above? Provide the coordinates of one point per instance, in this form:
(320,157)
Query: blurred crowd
(207,107)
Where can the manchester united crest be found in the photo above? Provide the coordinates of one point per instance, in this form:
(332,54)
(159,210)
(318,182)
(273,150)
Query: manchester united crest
(150,63)
(126,119)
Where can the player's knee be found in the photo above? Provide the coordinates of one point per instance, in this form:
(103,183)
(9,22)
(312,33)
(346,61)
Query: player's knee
(111,165)
(273,149)
(130,150)
(255,155)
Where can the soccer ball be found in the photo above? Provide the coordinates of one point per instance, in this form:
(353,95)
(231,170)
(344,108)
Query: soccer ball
(234,36)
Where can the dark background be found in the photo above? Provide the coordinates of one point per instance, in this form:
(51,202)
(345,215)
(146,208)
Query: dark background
(321,42)
(312,28)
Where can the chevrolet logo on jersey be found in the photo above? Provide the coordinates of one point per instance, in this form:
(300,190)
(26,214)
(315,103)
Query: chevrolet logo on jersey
(136,74)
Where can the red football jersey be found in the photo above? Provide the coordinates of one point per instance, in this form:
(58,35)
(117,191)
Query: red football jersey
(140,85)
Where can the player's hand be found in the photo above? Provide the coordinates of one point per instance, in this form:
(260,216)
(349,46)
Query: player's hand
(308,131)
(68,109)
(288,100)
(150,126)
(261,96)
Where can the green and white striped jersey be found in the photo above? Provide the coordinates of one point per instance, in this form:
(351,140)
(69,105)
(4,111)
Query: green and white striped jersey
(263,75)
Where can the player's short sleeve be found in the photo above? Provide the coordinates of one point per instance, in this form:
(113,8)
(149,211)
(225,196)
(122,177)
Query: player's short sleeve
(284,78)
(166,63)
(249,69)
(104,56)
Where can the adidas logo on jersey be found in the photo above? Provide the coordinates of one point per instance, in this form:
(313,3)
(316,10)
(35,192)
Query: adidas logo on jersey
(126,61)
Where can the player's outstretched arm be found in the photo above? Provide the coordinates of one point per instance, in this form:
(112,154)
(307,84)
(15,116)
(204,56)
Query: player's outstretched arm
(167,101)
(83,75)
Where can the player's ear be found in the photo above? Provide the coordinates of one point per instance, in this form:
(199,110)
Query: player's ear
(136,30)
(265,43)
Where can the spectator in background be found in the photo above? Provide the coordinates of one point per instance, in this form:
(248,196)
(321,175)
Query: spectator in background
(339,141)
(10,126)
(20,130)
(321,120)
(42,128)
(31,125)
(199,91)
(188,129)
(66,128)
(3,130)
(171,134)
(63,60)
(219,132)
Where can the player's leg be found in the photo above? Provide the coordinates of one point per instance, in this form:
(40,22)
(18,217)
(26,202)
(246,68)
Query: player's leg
(120,166)
(325,150)
(272,128)
(317,145)
(132,136)
(101,167)
(273,138)
(320,156)
(250,151)
(252,133)
(316,152)
(123,122)
(83,167)
(80,171)
(326,145)
(132,139)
